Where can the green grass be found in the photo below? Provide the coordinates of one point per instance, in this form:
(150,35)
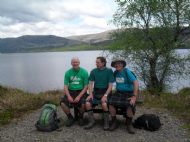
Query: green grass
(15,103)
(82,47)
(178,104)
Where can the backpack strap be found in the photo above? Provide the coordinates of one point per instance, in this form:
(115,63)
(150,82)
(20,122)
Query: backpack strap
(126,73)
(114,73)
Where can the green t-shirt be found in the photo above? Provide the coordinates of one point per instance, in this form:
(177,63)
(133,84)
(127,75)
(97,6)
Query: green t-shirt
(101,78)
(76,79)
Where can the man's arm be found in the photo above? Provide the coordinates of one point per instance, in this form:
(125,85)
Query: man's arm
(104,98)
(91,84)
(91,95)
(83,91)
(85,81)
(136,87)
(109,89)
(135,92)
(66,90)
(77,99)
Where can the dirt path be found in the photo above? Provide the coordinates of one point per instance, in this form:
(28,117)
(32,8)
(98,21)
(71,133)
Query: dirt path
(24,131)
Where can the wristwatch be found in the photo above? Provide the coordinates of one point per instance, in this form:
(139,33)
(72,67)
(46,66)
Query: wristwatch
(106,95)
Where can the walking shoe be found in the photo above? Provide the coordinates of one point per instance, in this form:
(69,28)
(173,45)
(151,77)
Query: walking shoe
(113,126)
(130,128)
(70,122)
(106,120)
(91,120)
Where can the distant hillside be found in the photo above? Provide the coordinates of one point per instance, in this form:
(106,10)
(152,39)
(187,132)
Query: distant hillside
(34,42)
(37,43)
(94,39)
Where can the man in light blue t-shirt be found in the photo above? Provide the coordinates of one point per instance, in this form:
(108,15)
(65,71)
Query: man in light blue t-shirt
(125,96)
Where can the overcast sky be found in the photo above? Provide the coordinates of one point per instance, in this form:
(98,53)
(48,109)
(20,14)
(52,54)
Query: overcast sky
(55,17)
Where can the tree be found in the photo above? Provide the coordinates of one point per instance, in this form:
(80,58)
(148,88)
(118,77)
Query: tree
(149,32)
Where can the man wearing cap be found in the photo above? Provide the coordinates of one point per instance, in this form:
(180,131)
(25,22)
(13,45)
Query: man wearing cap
(125,95)
(100,87)
(75,88)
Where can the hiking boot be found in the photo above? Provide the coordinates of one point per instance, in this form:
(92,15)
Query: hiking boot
(81,122)
(113,126)
(130,128)
(91,122)
(59,129)
(90,125)
(106,121)
(70,122)
(60,124)
(80,119)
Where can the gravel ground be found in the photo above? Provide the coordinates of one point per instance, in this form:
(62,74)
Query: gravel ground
(23,130)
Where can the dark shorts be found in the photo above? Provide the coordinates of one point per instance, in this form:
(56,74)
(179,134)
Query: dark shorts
(98,94)
(121,100)
(74,94)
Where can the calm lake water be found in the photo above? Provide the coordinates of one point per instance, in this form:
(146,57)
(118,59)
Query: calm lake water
(36,72)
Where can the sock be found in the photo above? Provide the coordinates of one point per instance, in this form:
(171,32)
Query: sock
(69,116)
(106,111)
(113,118)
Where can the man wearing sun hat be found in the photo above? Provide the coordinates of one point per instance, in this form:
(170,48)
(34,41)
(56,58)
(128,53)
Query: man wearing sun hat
(125,95)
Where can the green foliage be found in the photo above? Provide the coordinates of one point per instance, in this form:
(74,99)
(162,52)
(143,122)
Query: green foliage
(186,126)
(81,48)
(149,33)
(178,104)
(185,91)
(14,102)
(3,90)
(6,116)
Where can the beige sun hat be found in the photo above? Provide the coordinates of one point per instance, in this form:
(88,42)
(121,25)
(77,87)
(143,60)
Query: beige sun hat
(118,60)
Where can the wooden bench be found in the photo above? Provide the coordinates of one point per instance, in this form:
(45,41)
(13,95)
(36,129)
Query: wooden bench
(119,111)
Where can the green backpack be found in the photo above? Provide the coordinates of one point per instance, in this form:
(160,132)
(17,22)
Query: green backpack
(48,118)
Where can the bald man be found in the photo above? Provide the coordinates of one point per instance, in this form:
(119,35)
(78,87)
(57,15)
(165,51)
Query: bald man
(75,88)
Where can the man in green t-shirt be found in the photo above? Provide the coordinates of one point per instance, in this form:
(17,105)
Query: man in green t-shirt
(75,88)
(100,86)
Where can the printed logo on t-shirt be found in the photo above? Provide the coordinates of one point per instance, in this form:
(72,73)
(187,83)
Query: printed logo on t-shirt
(120,80)
(75,80)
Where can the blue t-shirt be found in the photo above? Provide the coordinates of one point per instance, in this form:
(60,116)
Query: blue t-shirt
(124,80)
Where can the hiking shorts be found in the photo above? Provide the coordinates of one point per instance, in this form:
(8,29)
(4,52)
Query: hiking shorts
(74,94)
(98,94)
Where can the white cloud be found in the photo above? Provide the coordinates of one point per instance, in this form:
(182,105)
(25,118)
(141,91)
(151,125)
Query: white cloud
(55,17)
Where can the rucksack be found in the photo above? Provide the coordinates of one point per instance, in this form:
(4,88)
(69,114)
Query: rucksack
(47,121)
(149,122)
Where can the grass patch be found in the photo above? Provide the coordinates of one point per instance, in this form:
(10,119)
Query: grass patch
(178,104)
(82,47)
(14,102)
(186,126)
(6,116)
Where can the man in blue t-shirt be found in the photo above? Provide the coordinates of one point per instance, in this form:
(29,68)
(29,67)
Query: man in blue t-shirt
(125,96)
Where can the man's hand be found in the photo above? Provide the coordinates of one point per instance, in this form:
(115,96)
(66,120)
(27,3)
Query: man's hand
(77,99)
(90,97)
(133,100)
(104,99)
(70,99)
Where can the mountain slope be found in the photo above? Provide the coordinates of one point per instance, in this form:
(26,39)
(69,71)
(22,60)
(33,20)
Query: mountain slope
(29,43)
(94,38)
